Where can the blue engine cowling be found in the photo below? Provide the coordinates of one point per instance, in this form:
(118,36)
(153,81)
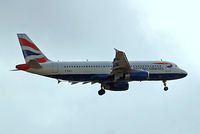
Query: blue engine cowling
(117,86)
(137,75)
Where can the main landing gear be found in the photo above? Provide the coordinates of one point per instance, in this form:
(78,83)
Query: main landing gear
(101,91)
(165,85)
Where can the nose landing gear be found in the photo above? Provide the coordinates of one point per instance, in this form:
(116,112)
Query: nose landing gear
(165,85)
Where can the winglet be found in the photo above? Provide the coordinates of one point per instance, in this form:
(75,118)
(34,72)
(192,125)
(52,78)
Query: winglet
(116,50)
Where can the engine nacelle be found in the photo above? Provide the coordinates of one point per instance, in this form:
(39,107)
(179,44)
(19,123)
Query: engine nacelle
(137,75)
(117,86)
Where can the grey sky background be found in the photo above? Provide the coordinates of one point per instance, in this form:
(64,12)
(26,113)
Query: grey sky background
(78,30)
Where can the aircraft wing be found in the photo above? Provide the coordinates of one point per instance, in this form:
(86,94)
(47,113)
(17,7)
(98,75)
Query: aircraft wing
(120,65)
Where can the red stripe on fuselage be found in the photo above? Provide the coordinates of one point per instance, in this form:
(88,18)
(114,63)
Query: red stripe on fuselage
(24,42)
(161,63)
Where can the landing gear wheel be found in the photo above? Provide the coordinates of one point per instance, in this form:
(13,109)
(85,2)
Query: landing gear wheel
(165,85)
(165,88)
(101,92)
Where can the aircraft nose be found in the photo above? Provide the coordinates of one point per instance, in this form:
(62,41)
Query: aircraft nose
(184,73)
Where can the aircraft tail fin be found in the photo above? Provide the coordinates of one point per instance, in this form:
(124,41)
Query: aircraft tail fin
(30,50)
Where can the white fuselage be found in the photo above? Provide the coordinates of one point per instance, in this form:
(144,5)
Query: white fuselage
(157,69)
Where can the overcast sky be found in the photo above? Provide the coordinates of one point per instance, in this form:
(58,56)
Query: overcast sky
(77,30)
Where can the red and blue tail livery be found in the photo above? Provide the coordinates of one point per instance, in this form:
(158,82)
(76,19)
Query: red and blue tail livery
(30,50)
(111,75)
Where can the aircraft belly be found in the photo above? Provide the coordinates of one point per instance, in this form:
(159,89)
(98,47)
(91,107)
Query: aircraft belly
(80,77)
(165,76)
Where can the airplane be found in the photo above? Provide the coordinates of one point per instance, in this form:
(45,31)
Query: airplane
(111,75)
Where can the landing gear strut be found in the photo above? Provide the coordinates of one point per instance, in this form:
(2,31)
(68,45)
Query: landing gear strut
(101,91)
(165,85)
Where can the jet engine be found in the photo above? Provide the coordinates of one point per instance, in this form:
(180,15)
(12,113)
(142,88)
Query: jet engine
(137,75)
(117,86)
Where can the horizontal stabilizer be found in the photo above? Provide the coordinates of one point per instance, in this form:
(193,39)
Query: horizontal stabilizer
(15,70)
(34,64)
